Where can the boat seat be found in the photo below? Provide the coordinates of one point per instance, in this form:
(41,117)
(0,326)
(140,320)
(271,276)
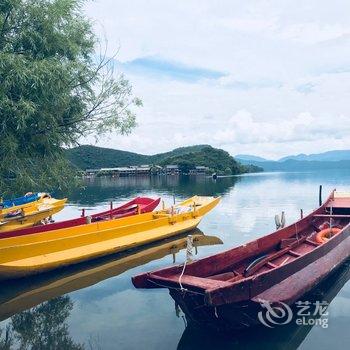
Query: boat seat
(223,276)
(311,242)
(263,260)
(293,253)
(271,265)
(285,242)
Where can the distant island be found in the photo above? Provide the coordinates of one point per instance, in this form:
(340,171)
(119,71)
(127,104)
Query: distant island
(337,159)
(184,160)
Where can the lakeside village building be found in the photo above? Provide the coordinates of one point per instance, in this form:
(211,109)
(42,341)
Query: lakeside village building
(145,170)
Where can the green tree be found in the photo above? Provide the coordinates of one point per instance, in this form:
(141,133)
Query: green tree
(185,166)
(216,159)
(54,89)
(228,171)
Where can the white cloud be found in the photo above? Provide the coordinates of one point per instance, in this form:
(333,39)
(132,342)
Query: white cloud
(286,67)
(311,33)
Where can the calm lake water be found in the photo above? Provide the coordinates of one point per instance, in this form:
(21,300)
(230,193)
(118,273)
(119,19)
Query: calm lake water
(95,306)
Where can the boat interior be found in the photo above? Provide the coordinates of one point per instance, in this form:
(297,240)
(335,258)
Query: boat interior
(269,252)
(139,204)
(287,247)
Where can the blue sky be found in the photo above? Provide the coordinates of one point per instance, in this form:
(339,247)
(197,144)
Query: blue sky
(154,67)
(269,78)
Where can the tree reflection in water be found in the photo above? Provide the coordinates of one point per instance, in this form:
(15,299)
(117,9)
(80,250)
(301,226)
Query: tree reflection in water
(41,327)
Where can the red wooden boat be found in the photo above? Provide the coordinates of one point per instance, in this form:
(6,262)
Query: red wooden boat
(227,289)
(135,206)
(289,336)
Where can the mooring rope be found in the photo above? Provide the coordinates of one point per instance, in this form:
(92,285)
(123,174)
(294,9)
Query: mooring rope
(182,273)
(177,289)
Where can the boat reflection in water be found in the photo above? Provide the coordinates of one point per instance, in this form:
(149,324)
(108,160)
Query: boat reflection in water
(19,295)
(289,336)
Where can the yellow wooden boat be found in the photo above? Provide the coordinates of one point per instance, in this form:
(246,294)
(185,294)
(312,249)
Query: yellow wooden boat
(20,295)
(30,215)
(31,254)
(42,198)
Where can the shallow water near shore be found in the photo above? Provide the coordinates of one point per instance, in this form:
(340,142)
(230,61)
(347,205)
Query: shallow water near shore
(95,305)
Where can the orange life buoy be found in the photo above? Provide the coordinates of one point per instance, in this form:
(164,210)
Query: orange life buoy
(324,235)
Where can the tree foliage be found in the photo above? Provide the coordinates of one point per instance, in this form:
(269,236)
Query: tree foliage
(54,89)
(215,159)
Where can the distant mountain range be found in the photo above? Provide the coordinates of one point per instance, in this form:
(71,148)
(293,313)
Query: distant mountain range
(330,156)
(339,159)
(249,157)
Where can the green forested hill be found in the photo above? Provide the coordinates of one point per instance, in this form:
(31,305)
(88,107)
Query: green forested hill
(216,159)
(90,157)
(87,157)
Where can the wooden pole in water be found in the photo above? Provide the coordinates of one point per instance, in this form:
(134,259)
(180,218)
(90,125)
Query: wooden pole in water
(320,196)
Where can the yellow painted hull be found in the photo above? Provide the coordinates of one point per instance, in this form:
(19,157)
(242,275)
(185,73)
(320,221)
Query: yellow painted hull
(35,253)
(27,206)
(33,214)
(23,298)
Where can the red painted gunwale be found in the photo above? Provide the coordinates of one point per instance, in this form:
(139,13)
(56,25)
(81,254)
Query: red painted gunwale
(293,259)
(133,207)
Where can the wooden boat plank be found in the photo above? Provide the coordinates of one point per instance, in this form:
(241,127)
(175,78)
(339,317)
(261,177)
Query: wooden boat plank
(224,276)
(303,280)
(193,281)
(287,270)
(266,280)
(311,242)
(294,253)
(339,216)
(272,265)
(222,261)
(339,203)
